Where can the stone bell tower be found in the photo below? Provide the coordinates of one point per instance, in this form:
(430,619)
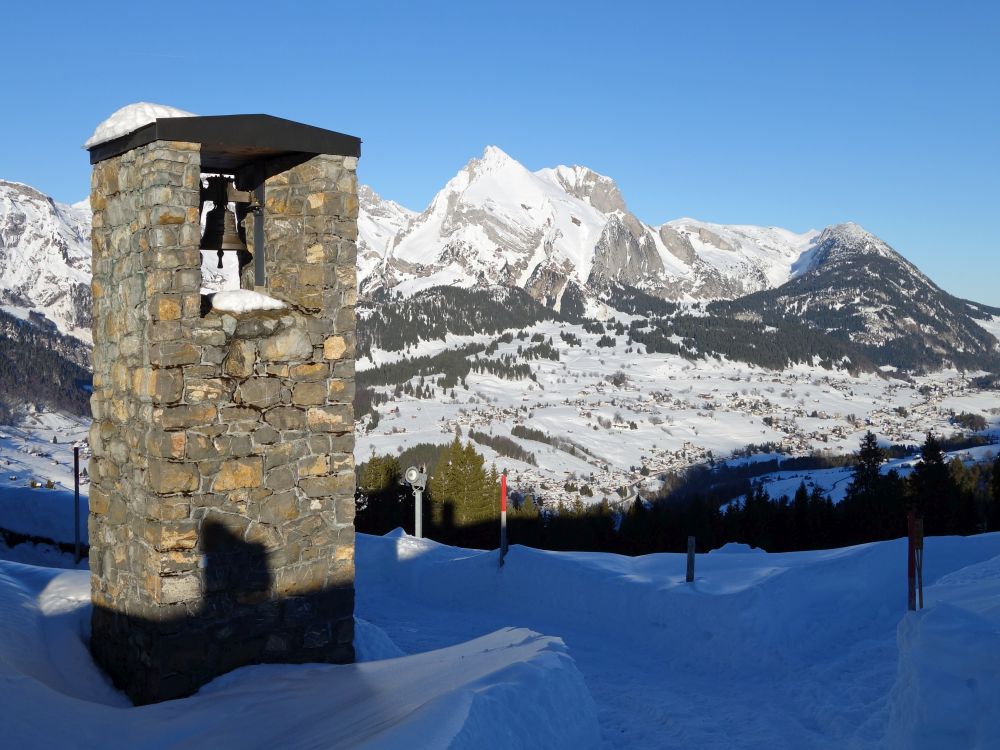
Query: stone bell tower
(222,496)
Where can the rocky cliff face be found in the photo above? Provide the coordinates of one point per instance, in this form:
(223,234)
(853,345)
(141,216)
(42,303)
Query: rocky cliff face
(499,222)
(45,258)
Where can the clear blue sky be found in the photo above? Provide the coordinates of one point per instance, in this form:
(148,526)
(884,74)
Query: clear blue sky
(796,114)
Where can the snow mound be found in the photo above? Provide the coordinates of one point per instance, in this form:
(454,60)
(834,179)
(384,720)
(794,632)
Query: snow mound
(371,643)
(240,301)
(130,118)
(947,692)
(736,548)
(512,688)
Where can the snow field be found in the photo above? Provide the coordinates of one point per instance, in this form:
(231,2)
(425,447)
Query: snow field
(804,650)
(762,651)
(28,453)
(458,697)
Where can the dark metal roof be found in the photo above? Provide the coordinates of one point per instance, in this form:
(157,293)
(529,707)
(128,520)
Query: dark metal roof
(231,142)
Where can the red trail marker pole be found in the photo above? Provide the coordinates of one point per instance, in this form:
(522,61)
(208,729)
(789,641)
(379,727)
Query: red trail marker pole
(503,517)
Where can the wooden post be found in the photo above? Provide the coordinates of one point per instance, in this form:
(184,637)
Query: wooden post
(503,517)
(76,503)
(920,563)
(690,567)
(911,560)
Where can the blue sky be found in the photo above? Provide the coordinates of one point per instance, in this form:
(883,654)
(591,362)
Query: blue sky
(796,114)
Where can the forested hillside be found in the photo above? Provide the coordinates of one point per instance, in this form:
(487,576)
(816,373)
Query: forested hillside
(41,367)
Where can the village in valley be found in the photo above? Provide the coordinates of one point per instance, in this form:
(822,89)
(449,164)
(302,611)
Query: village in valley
(618,422)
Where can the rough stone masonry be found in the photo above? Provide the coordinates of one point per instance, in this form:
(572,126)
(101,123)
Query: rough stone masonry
(222,496)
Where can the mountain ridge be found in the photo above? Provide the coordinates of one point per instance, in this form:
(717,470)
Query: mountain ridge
(564,235)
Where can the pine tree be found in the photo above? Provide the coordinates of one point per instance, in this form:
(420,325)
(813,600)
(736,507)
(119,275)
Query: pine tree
(464,495)
(867,467)
(379,473)
(931,491)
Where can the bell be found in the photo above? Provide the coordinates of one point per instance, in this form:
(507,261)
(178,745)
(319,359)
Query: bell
(220,231)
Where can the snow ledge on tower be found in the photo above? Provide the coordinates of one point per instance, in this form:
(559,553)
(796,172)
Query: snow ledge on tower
(130,118)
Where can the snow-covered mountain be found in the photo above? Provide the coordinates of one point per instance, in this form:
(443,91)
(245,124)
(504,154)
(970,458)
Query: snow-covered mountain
(379,221)
(45,258)
(852,285)
(561,233)
(497,222)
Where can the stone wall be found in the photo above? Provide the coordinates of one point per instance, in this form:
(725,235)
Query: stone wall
(222,495)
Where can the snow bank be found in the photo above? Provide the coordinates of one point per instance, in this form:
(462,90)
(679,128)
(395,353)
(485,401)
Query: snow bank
(371,643)
(239,301)
(512,688)
(947,693)
(130,118)
(736,548)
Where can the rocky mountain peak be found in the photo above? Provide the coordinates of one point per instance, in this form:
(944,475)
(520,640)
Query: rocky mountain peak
(600,191)
(493,160)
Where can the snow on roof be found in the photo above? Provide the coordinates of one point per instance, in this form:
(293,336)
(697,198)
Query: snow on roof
(129,119)
(244,301)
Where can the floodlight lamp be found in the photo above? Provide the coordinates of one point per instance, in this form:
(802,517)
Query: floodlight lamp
(416,478)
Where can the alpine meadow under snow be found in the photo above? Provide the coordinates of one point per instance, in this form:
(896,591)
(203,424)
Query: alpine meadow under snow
(593,357)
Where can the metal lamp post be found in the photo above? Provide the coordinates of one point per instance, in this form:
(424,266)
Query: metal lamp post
(417,479)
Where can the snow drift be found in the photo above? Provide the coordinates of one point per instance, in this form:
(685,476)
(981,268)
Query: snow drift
(458,697)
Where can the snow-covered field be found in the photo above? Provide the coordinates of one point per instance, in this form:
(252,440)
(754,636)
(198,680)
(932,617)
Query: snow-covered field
(27,454)
(797,650)
(684,412)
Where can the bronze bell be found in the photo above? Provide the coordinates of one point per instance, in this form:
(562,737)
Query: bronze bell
(220,228)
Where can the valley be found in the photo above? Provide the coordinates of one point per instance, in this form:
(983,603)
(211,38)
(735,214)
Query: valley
(633,418)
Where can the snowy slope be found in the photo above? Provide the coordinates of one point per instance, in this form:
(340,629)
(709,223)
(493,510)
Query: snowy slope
(811,650)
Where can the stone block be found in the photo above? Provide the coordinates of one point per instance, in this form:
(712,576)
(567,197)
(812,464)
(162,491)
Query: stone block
(168,477)
(314,466)
(288,345)
(309,371)
(334,418)
(239,473)
(309,394)
(167,308)
(285,418)
(240,361)
(340,391)
(173,354)
(335,347)
(176,535)
(166,385)
(185,415)
(278,508)
(180,588)
(260,392)
(162,444)
(198,390)
(335,484)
